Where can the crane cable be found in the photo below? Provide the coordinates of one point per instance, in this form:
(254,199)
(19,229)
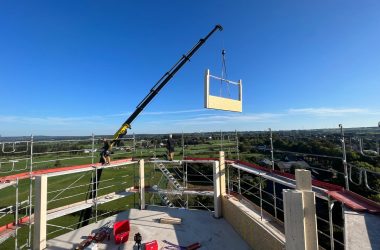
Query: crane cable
(224,74)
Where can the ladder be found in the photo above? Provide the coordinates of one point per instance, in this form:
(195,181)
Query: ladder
(170,177)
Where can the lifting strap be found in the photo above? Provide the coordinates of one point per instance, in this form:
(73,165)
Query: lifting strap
(224,74)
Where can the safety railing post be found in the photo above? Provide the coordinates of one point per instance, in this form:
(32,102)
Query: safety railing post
(228,179)
(274,184)
(183,146)
(92,149)
(134,145)
(187,201)
(261,199)
(331,224)
(186,179)
(275,199)
(271,147)
(344,158)
(221,140)
(16,217)
(237,145)
(31,154)
(96,193)
(183,175)
(30,193)
(239,184)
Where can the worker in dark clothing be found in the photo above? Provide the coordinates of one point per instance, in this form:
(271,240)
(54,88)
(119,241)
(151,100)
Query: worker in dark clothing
(170,148)
(106,152)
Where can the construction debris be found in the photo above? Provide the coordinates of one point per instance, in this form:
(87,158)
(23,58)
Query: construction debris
(84,243)
(170,220)
(103,233)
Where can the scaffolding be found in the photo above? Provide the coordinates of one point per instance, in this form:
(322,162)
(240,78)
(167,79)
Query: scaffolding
(183,183)
(26,158)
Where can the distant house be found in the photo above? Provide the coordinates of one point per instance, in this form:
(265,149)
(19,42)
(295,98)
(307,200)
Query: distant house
(265,162)
(285,166)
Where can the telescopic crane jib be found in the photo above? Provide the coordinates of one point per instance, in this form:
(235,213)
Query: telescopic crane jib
(160,84)
(86,214)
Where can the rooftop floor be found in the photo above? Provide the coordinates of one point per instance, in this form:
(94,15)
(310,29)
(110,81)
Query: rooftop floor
(197,226)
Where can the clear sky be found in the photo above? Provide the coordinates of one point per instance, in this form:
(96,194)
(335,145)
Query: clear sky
(81,67)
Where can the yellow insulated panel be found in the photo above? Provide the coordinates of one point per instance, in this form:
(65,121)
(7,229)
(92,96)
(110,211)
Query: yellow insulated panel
(222,103)
(216,102)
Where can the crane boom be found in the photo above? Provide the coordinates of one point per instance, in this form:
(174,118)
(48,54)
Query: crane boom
(86,214)
(161,83)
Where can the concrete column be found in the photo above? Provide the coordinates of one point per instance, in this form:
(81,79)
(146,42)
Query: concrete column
(310,220)
(39,239)
(300,215)
(303,183)
(142,184)
(303,180)
(294,220)
(222,167)
(217,196)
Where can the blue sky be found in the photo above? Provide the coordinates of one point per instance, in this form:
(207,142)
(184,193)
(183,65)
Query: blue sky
(81,67)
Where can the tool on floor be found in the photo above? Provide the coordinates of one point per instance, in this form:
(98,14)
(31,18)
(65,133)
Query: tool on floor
(138,240)
(101,234)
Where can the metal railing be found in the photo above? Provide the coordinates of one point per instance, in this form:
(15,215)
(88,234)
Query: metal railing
(348,168)
(29,155)
(270,202)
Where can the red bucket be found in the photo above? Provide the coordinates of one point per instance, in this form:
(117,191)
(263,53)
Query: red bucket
(121,231)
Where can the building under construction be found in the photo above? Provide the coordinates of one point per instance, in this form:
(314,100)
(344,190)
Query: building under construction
(55,194)
(207,198)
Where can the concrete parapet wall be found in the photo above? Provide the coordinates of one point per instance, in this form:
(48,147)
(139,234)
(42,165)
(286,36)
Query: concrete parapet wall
(253,231)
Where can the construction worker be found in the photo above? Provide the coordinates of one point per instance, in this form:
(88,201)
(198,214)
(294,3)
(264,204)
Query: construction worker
(106,152)
(170,148)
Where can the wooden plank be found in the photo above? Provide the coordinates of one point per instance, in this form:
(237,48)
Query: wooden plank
(171,220)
